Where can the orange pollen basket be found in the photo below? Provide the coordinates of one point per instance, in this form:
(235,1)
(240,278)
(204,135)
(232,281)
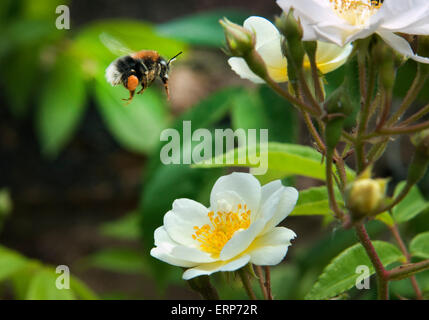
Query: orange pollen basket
(132,83)
(213,237)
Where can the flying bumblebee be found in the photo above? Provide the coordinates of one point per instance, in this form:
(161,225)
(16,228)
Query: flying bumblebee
(136,68)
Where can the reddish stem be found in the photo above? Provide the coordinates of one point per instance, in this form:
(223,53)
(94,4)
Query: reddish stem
(382,274)
(402,246)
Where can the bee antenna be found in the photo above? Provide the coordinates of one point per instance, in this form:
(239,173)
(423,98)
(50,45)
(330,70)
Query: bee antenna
(174,58)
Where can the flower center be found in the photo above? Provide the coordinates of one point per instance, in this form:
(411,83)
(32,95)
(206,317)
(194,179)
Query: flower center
(213,237)
(356,12)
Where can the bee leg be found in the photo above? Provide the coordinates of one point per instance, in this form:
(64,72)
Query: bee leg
(144,86)
(131,84)
(165,81)
(131,96)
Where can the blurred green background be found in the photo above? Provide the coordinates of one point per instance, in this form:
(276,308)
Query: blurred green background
(81,183)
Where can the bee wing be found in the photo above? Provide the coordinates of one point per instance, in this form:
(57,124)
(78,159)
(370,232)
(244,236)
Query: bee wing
(114,45)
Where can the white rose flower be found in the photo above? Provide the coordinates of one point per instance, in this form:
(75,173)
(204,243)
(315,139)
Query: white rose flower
(268,44)
(343,21)
(238,228)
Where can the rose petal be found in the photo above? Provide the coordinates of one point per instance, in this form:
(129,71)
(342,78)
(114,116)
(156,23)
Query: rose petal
(178,252)
(163,255)
(274,60)
(314,11)
(271,248)
(264,30)
(191,254)
(270,206)
(330,56)
(207,269)
(162,238)
(243,184)
(406,16)
(241,240)
(284,208)
(181,220)
(240,67)
(268,189)
(401,45)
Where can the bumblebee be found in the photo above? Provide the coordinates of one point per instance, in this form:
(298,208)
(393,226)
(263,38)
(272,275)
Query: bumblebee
(139,68)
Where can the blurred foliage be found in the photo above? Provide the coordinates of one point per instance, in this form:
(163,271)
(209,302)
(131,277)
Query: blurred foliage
(411,206)
(201,29)
(30,279)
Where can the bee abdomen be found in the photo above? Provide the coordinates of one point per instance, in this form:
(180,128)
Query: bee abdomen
(113,75)
(119,70)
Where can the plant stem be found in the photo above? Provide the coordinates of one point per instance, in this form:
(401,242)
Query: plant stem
(381,273)
(387,104)
(377,150)
(422,112)
(314,133)
(330,186)
(268,282)
(403,272)
(307,93)
(364,116)
(362,74)
(395,231)
(348,137)
(341,168)
(246,283)
(315,75)
(262,284)
(302,106)
(401,130)
(366,93)
(412,94)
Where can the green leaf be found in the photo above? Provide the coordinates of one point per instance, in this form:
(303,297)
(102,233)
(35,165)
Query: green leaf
(410,206)
(340,275)
(61,106)
(284,281)
(202,29)
(386,218)
(127,228)
(315,201)
(405,77)
(10,263)
(13,67)
(20,280)
(404,287)
(136,126)
(43,10)
(24,32)
(419,246)
(6,205)
(284,160)
(43,287)
(81,290)
(248,111)
(118,260)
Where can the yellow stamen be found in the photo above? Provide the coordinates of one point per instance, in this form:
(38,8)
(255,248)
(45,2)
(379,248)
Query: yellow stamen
(213,237)
(356,12)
